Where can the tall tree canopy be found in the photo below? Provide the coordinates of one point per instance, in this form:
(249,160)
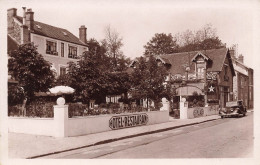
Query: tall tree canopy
(94,77)
(203,39)
(148,80)
(87,78)
(113,43)
(161,43)
(29,68)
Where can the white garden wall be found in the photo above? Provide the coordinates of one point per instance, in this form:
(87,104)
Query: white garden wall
(36,126)
(62,126)
(202,111)
(94,124)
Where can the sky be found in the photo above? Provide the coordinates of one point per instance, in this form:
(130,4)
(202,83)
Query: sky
(138,21)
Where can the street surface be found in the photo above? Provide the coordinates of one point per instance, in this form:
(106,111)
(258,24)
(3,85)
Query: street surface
(223,138)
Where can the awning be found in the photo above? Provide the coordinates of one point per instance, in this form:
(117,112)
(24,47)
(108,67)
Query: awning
(188,91)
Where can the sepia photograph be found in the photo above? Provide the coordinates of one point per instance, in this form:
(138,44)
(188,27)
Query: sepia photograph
(128,80)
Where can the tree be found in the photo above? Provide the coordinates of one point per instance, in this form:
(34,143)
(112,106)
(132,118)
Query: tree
(92,79)
(87,78)
(148,80)
(100,52)
(32,72)
(113,43)
(203,39)
(117,83)
(161,43)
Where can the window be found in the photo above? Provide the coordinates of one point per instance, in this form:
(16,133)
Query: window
(226,69)
(72,52)
(242,82)
(201,73)
(51,48)
(226,78)
(62,71)
(62,49)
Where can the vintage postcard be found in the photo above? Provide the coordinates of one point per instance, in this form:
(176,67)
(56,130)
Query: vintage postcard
(108,81)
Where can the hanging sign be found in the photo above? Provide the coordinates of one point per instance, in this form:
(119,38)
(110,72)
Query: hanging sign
(211,88)
(126,121)
(212,76)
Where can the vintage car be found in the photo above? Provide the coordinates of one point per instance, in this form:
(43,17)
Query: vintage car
(233,109)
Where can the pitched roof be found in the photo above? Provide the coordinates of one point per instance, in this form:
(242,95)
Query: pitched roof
(11,44)
(53,32)
(178,61)
(200,54)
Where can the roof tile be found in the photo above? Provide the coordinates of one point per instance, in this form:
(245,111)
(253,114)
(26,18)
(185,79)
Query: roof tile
(54,32)
(178,61)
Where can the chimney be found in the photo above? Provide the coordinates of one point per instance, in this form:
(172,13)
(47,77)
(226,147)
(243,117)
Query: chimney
(232,53)
(83,34)
(29,20)
(241,58)
(25,33)
(24,11)
(10,14)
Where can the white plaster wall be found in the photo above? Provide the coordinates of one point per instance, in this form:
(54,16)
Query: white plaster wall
(208,111)
(57,61)
(156,117)
(95,124)
(235,87)
(36,126)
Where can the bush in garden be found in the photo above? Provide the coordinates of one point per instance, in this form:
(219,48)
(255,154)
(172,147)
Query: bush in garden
(103,105)
(14,110)
(176,114)
(34,109)
(76,109)
(32,72)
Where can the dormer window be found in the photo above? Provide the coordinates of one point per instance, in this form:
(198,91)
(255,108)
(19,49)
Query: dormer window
(201,61)
(65,34)
(72,52)
(200,72)
(51,48)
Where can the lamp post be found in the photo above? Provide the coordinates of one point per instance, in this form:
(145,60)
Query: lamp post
(187,69)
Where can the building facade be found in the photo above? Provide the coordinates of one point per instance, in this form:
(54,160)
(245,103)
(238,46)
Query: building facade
(208,72)
(56,45)
(243,86)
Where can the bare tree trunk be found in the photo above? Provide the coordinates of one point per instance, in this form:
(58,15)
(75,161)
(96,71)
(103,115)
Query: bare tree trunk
(23,107)
(147,103)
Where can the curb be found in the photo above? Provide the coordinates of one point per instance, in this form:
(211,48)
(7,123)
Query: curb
(121,138)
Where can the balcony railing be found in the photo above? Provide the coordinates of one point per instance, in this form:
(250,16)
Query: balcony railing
(73,56)
(52,52)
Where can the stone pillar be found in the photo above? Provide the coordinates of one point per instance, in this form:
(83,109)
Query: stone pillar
(61,118)
(166,105)
(183,109)
(91,104)
(206,100)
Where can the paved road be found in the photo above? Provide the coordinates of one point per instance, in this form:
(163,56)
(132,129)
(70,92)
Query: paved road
(224,138)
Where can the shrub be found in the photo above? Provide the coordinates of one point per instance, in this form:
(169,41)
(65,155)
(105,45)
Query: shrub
(14,110)
(33,109)
(76,109)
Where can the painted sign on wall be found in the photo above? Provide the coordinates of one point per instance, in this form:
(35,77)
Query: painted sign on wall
(198,112)
(126,121)
(203,111)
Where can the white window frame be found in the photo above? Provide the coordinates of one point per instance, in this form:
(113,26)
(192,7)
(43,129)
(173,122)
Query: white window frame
(57,47)
(72,45)
(62,66)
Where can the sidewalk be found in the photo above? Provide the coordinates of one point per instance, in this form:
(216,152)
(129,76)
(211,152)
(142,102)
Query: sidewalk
(30,146)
